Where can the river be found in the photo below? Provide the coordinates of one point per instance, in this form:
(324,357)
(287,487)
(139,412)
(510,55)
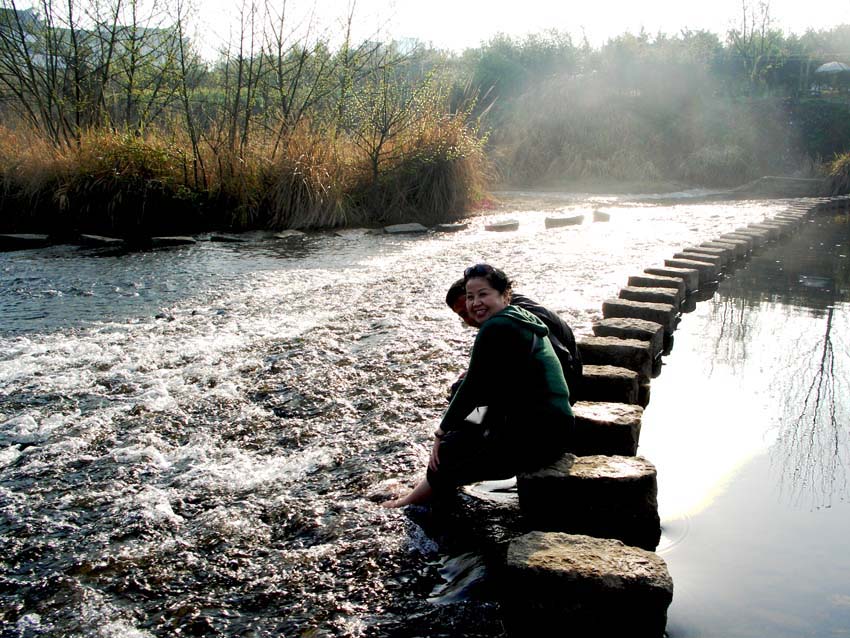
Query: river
(192,439)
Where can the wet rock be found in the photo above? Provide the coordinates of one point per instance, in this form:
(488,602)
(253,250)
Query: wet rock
(602,496)
(503,226)
(665,314)
(706,270)
(606,428)
(632,354)
(669,296)
(572,220)
(689,275)
(628,328)
(399,229)
(607,383)
(585,586)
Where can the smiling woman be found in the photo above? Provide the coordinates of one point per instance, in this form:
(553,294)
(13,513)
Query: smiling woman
(515,375)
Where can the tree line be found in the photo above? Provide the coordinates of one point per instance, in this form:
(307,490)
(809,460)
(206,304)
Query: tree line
(116,94)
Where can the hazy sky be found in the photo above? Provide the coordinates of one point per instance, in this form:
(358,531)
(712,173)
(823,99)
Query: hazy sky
(459,24)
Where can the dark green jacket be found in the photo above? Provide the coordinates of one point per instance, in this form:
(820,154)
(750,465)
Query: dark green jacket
(525,386)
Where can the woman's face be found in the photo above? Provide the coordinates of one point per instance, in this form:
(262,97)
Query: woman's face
(482,300)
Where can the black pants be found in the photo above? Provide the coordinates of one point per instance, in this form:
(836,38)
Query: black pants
(475,453)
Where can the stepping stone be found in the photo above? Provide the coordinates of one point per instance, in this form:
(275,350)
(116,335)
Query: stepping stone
(651,295)
(227,239)
(577,585)
(740,237)
(601,496)
(608,384)
(401,229)
(689,275)
(626,328)
(451,228)
(739,246)
(631,354)
(555,222)
(173,240)
(99,240)
(504,226)
(724,254)
(698,256)
(606,428)
(288,234)
(658,281)
(731,251)
(707,271)
(665,314)
(601,216)
(773,231)
(760,237)
(23,241)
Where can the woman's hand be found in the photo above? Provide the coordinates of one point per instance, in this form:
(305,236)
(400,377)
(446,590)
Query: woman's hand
(434,461)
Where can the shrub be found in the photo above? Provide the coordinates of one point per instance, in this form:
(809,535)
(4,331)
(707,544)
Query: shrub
(839,175)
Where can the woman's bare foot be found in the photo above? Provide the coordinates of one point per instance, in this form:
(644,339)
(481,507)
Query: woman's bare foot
(420,494)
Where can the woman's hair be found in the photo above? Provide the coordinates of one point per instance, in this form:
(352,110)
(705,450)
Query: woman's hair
(495,277)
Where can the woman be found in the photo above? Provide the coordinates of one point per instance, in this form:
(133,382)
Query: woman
(514,372)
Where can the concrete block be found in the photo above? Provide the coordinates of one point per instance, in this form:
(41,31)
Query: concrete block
(601,496)
(607,383)
(738,249)
(658,281)
(689,275)
(555,222)
(707,271)
(773,230)
(652,295)
(760,237)
(665,314)
(606,428)
(575,585)
(696,255)
(503,226)
(631,354)
(629,328)
(23,241)
(724,253)
(740,237)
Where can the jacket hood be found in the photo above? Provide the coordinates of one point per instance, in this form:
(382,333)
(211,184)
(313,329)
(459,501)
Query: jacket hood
(522,316)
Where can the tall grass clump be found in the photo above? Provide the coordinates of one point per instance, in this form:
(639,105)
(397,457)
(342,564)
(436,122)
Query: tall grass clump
(839,175)
(433,173)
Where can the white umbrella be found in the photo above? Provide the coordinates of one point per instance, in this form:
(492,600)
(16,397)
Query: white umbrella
(832,67)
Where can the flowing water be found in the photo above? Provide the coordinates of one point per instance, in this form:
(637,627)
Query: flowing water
(192,440)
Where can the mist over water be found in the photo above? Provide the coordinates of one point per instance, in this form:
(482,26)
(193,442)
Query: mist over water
(192,440)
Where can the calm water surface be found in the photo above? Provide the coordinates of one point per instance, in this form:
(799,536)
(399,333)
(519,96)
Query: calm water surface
(191,439)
